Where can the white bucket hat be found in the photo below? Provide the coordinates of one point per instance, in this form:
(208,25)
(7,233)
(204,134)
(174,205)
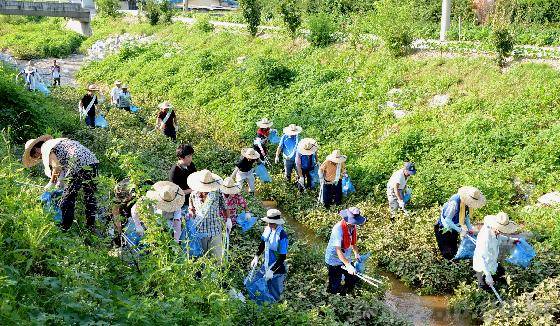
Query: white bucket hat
(250,153)
(264,123)
(308,146)
(273,216)
(204,181)
(230,187)
(27,160)
(501,222)
(165,105)
(336,157)
(472,197)
(169,197)
(292,130)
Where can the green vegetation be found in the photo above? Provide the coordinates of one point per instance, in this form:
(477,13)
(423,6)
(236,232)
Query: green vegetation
(251,10)
(108,8)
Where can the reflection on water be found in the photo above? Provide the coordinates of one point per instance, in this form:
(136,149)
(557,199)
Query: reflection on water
(420,310)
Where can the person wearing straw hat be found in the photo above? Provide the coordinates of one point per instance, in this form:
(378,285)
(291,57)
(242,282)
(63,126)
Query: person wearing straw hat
(205,206)
(66,160)
(124,100)
(30,76)
(454,219)
(168,198)
(185,166)
(495,231)
(342,244)
(264,126)
(274,243)
(288,147)
(331,173)
(88,104)
(306,159)
(244,169)
(396,188)
(233,201)
(116,92)
(167,120)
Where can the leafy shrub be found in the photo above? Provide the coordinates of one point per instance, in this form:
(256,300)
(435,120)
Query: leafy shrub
(167,10)
(203,24)
(252,13)
(108,8)
(322,30)
(503,44)
(395,25)
(153,12)
(291,15)
(537,11)
(270,72)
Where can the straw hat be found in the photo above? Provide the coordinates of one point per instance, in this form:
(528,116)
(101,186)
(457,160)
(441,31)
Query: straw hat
(230,187)
(336,157)
(169,197)
(118,82)
(204,181)
(273,216)
(125,86)
(353,216)
(165,105)
(92,87)
(264,123)
(501,223)
(308,146)
(27,160)
(250,153)
(292,130)
(472,197)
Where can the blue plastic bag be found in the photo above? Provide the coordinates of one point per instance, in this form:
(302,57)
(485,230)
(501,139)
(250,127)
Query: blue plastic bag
(262,173)
(257,288)
(50,200)
(191,236)
(244,223)
(315,177)
(101,122)
(134,109)
(522,254)
(131,234)
(407,196)
(43,89)
(273,137)
(347,186)
(466,248)
(360,265)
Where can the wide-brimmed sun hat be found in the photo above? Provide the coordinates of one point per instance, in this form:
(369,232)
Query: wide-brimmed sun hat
(308,146)
(501,222)
(353,216)
(273,216)
(472,197)
(204,181)
(292,130)
(92,87)
(125,86)
(264,123)
(169,197)
(165,105)
(250,153)
(336,157)
(27,160)
(118,82)
(230,187)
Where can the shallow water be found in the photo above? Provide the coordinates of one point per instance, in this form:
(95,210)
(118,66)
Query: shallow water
(420,310)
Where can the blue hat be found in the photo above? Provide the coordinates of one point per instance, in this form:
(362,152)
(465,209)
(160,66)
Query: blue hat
(352,215)
(409,166)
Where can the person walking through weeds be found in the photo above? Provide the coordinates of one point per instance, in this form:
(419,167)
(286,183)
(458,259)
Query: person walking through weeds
(454,219)
(260,144)
(485,258)
(66,160)
(244,169)
(122,208)
(331,173)
(233,201)
(88,105)
(342,243)
(274,244)
(180,172)
(169,199)
(205,205)
(55,73)
(124,100)
(306,160)
(396,189)
(167,120)
(288,148)
(116,92)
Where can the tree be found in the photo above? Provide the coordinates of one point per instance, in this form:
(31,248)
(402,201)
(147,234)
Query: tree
(251,10)
(291,15)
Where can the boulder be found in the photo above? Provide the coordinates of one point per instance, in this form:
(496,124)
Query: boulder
(550,199)
(440,100)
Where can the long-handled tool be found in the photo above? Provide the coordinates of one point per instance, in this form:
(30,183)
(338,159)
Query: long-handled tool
(368,279)
(497,295)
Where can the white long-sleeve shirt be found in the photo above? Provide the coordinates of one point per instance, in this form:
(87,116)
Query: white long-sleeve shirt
(487,249)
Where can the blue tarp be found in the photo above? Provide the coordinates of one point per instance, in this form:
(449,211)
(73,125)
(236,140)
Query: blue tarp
(262,173)
(466,248)
(244,223)
(522,254)
(347,186)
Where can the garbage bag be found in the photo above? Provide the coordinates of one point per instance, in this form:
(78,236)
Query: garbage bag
(407,196)
(192,238)
(134,109)
(262,173)
(245,223)
(315,177)
(101,122)
(131,235)
(51,202)
(257,288)
(43,89)
(347,186)
(466,248)
(522,254)
(273,137)
(360,265)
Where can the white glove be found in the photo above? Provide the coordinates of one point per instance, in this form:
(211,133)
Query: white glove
(268,274)
(49,186)
(350,269)
(247,216)
(301,181)
(489,280)
(229,225)
(463,232)
(401,204)
(276,160)
(255,262)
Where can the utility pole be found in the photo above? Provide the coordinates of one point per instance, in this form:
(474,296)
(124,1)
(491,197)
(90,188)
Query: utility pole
(445,18)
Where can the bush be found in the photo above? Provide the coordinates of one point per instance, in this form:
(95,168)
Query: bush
(153,11)
(167,10)
(252,13)
(108,8)
(203,24)
(322,30)
(270,72)
(291,15)
(395,24)
(503,42)
(537,11)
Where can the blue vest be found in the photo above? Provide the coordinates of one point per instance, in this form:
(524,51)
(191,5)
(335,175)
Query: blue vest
(457,200)
(307,162)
